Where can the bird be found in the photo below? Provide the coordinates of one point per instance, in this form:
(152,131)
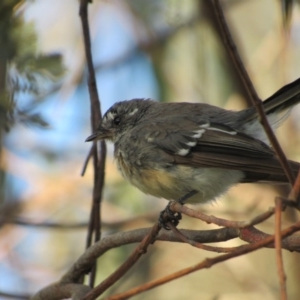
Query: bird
(195,151)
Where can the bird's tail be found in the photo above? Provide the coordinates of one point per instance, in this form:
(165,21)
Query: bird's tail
(285,98)
(281,101)
(276,175)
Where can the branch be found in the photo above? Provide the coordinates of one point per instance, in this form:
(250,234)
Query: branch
(178,207)
(14,296)
(58,291)
(207,9)
(278,248)
(207,263)
(48,225)
(98,159)
(193,243)
(111,226)
(257,103)
(89,257)
(125,267)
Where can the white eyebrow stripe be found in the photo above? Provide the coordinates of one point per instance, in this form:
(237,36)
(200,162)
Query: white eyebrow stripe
(110,115)
(133,112)
(224,131)
(183,152)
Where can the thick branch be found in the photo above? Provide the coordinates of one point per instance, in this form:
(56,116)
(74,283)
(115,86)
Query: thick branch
(58,291)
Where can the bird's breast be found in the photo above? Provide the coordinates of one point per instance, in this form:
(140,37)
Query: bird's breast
(157,182)
(124,165)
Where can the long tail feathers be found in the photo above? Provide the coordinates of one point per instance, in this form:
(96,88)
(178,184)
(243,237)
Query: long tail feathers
(276,177)
(286,97)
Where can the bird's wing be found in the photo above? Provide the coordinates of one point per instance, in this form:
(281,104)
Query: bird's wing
(212,145)
(187,137)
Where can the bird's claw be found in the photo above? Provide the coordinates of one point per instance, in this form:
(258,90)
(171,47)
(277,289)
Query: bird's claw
(168,215)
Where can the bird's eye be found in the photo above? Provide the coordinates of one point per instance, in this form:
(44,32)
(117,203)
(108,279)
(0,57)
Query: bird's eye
(117,120)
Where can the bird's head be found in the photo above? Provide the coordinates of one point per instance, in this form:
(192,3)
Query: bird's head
(120,118)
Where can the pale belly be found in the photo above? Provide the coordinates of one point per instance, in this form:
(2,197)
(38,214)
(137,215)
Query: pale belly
(177,181)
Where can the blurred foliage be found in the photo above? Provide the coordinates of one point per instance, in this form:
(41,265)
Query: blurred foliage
(158,15)
(23,72)
(25,76)
(30,74)
(188,63)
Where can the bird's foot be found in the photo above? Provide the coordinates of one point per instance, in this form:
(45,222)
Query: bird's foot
(168,215)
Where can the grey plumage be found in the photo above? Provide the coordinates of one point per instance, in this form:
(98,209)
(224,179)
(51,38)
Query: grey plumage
(170,149)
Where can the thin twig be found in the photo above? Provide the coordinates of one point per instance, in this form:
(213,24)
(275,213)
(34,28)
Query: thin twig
(193,243)
(278,248)
(253,235)
(207,263)
(177,207)
(48,225)
(125,267)
(87,159)
(14,296)
(208,14)
(295,192)
(20,221)
(257,103)
(98,158)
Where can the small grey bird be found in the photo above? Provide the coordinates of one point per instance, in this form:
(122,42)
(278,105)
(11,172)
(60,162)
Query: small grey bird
(169,150)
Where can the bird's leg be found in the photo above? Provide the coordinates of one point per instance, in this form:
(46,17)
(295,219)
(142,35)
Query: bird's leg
(167,215)
(187,196)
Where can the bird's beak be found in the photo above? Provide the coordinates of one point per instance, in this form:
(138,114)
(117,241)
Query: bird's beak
(100,134)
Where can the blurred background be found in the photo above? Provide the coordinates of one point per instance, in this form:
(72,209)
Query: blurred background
(166,50)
